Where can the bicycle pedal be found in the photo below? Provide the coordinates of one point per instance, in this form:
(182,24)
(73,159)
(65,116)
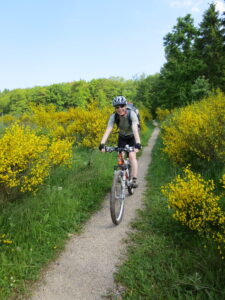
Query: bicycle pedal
(134,184)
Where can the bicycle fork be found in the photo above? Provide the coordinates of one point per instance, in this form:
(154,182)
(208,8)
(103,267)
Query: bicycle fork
(127,182)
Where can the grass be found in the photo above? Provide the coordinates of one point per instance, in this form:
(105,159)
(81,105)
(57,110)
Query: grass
(34,228)
(166,260)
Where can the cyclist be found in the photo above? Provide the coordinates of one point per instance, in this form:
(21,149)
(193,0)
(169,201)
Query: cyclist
(128,133)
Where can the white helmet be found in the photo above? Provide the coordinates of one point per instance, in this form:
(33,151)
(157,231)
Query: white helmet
(119,100)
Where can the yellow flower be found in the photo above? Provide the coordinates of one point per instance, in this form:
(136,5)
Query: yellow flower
(196,131)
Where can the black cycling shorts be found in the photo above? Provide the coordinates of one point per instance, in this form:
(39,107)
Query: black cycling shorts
(126,140)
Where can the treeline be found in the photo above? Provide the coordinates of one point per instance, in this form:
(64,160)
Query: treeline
(65,95)
(195,63)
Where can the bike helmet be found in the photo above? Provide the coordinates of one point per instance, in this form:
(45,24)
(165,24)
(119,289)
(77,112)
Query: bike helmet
(119,100)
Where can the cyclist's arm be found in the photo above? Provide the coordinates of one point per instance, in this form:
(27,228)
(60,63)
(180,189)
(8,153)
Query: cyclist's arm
(106,134)
(134,120)
(136,133)
(108,129)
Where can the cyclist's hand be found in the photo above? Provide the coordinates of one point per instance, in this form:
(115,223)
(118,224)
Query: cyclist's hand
(102,147)
(137,147)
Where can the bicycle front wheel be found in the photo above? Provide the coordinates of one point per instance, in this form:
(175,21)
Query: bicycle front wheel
(117,198)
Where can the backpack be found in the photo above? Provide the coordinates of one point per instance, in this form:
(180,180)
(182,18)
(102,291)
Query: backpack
(130,107)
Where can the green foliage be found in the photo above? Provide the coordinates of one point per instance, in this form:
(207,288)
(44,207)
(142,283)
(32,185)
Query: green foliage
(200,89)
(80,93)
(179,71)
(17,101)
(195,61)
(210,47)
(178,44)
(59,94)
(145,90)
(64,95)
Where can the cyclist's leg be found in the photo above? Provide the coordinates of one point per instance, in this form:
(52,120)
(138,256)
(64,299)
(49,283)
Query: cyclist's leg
(134,164)
(122,142)
(132,157)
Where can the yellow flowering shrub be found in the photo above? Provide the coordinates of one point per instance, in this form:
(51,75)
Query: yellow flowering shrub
(145,116)
(7,119)
(162,113)
(60,152)
(195,205)
(89,125)
(43,116)
(26,158)
(193,200)
(196,131)
(47,119)
(83,126)
(223,181)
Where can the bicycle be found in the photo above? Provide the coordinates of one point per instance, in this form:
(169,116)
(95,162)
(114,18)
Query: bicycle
(122,179)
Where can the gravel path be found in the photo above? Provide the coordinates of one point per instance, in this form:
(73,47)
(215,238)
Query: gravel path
(84,271)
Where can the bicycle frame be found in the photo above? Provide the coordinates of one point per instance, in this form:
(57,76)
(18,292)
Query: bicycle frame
(123,165)
(122,162)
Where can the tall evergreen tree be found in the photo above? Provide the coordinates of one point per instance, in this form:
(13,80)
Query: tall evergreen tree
(210,47)
(182,68)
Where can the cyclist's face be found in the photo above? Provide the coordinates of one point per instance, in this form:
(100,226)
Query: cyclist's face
(121,109)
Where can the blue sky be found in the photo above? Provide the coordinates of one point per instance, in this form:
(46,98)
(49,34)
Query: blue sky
(53,41)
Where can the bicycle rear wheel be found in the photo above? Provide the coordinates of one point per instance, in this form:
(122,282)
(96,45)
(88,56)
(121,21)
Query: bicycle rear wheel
(117,199)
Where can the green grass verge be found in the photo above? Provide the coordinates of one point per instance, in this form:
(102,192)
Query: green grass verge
(166,260)
(39,225)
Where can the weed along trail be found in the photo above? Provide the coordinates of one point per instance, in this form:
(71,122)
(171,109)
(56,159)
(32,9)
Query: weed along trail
(84,270)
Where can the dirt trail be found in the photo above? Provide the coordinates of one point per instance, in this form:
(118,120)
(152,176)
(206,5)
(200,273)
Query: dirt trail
(84,271)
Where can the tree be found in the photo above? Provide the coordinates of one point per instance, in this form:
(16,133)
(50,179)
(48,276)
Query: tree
(200,88)
(80,93)
(146,89)
(182,67)
(59,95)
(17,101)
(210,47)
(178,44)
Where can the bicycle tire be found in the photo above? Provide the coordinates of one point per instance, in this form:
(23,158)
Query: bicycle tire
(130,188)
(117,199)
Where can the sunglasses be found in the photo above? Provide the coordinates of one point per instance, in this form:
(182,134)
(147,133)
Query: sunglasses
(120,106)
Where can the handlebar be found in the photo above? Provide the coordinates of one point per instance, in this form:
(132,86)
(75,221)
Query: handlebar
(119,149)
